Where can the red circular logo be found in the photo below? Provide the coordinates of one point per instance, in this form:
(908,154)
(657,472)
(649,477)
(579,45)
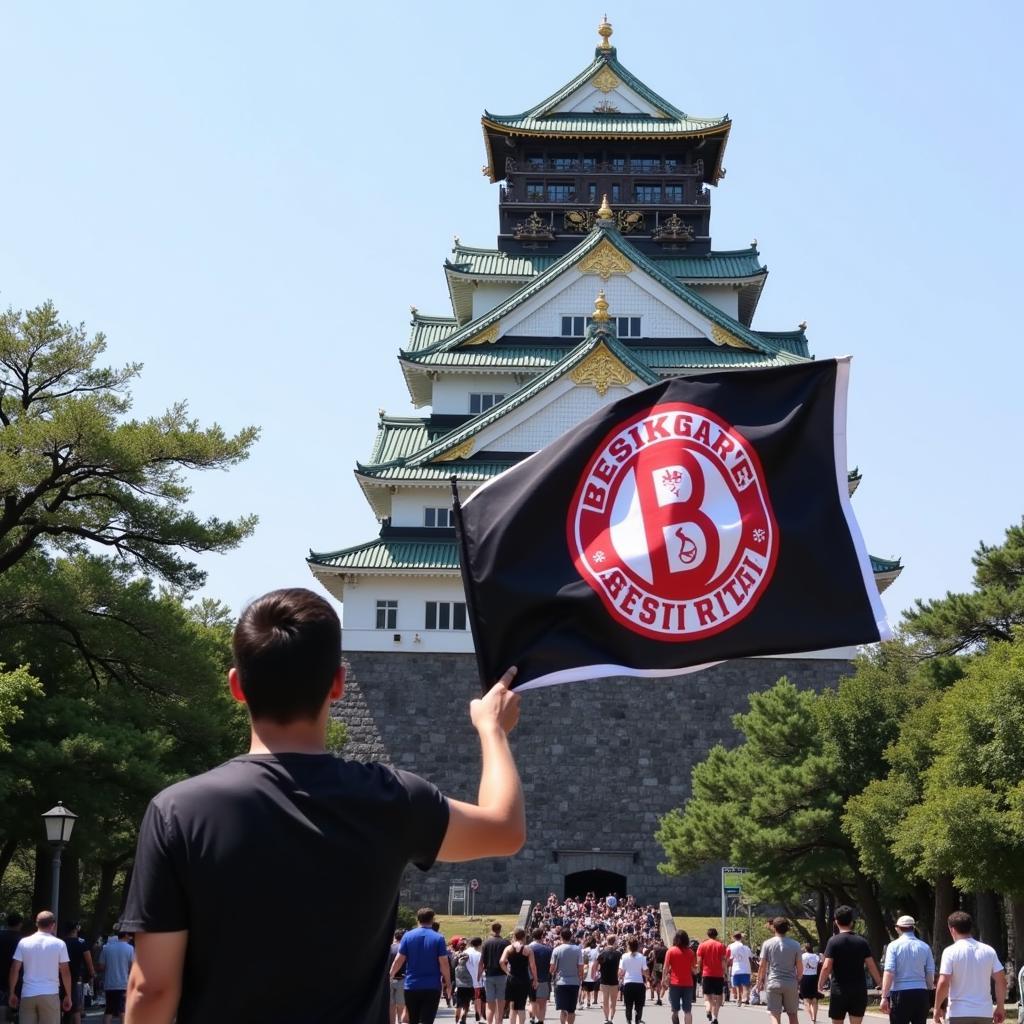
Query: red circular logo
(672,526)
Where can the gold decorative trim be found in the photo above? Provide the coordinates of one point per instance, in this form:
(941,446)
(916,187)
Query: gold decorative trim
(693,133)
(606,80)
(460,451)
(604,261)
(600,309)
(720,336)
(600,371)
(485,337)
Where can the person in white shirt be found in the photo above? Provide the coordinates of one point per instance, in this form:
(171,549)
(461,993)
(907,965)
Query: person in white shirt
(475,956)
(739,969)
(633,976)
(43,959)
(967,971)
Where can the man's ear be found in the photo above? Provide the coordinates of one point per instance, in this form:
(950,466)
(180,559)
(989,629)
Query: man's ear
(338,684)
(235,685)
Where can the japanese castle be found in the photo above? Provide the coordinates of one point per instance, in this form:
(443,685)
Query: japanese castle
(603,198)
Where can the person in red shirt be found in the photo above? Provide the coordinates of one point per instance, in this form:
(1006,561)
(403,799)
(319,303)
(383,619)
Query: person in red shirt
(680,965)
(712,957)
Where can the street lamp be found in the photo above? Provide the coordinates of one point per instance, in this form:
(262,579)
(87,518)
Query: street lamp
(59,822)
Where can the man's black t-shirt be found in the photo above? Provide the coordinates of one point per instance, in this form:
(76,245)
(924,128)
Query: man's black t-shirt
(9,939)
(314,843)
(493,948)
(608,966)
(848,951)
(76,956)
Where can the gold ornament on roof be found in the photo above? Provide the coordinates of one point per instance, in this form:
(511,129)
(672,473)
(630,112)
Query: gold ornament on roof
(604,30)
(485,337)
(600,309)
(802,325)
(601,370)
(721,336)
(605,211)
(606,80)
(460,451)
(604,261)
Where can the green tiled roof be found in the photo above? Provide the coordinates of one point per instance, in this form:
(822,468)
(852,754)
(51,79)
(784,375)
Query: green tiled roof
(398,437)
(429,330)
(434,472)
(725,265)
(391,555)
(503,356)
(599,234)
(397,555)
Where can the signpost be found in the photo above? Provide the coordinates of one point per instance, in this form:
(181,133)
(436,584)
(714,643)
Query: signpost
(473,886)
(732,889)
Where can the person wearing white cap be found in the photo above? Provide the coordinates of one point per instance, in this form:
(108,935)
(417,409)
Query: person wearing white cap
(907,975)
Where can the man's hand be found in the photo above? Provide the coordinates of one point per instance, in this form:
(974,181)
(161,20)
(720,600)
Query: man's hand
(998,1016)
(66,1004)
(499,706)
(884,1004)
(13,1001)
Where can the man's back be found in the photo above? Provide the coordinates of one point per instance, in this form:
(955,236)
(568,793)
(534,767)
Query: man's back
(116,961)
(422,949)
(848,953)
(318,841)
(41,955)
(711,953)
(493,948)
(565,963)
(781,954)
(542,959)
(970,964)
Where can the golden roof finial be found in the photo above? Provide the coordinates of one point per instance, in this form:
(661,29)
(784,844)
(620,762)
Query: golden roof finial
(802,325)
(605,212)
(604,30)
(600,309)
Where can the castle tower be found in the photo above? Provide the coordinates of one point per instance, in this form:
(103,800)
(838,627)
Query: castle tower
(604,187)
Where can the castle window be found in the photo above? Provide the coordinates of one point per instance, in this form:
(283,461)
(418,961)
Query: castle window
(481,402)
(616,193)
(437,517)
(645,165)
(387,615)
(628,326)
(592,191)
(560,191)
(673,193)
(576,326)
(445,615)
(562,163)
(535,190)
(617,163)
(589,163)
(535,161)
(647,193)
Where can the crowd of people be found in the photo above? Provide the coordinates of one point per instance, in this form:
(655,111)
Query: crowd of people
(46,977)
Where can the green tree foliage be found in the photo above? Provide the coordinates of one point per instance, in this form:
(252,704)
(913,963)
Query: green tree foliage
(989,614)
(74,470)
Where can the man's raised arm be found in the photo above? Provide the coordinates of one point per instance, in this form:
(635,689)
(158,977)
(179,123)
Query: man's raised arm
(495,825)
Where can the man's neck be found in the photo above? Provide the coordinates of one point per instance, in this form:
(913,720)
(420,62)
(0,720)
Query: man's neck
(845,931)
(302,737)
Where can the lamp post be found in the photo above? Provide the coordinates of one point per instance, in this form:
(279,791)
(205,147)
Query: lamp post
(59,822)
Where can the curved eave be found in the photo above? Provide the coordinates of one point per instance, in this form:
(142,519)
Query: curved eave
(417,380)
(884,580)
(497,127)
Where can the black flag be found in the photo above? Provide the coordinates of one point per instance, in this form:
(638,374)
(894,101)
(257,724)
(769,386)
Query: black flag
(701,519)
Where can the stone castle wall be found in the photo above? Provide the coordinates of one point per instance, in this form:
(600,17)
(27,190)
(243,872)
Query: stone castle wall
(600,760)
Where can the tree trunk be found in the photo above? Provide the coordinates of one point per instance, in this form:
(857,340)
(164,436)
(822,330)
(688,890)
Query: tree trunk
(70,889)
(104,897)
(989,925)
(945,904)
(925,911)
(871,909)
(822,920)
(7,852)
(1014,911)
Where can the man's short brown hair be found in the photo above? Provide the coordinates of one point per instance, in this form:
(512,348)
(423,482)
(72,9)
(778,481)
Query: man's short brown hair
(425,915)
(961,922)
(496,927)
(45,919)
(287,648)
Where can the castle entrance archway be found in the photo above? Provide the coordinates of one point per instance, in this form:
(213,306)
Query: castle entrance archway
(597,881)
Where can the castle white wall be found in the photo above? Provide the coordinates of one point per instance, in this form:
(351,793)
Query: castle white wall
(360,615)
(625,298)
(586,97)
(451,392)
(407,504)
(487,296)
(724,296)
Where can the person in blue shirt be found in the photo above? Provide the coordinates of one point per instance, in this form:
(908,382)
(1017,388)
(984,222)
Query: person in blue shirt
(908,974)
(424,954)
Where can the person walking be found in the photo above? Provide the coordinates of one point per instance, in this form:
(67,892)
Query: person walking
(656,967)
(739,968)
(81,968)
(465,983)
(567,968)
(712,958)
(847,955)
(633,975)
(809,981)
(680,968)
(518,964)
(42,961)
(475,956)
(115,965)
(396,983)
(424,954)
(778,972)
(968,972)
(494,977)
(589,990)
(908,973)
(542,962)
(10,936)
(608,975)
(343,834)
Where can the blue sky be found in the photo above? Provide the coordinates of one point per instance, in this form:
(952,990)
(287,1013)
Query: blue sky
(247,197)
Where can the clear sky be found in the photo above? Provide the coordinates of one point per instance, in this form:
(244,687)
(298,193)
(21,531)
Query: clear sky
(247,197)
